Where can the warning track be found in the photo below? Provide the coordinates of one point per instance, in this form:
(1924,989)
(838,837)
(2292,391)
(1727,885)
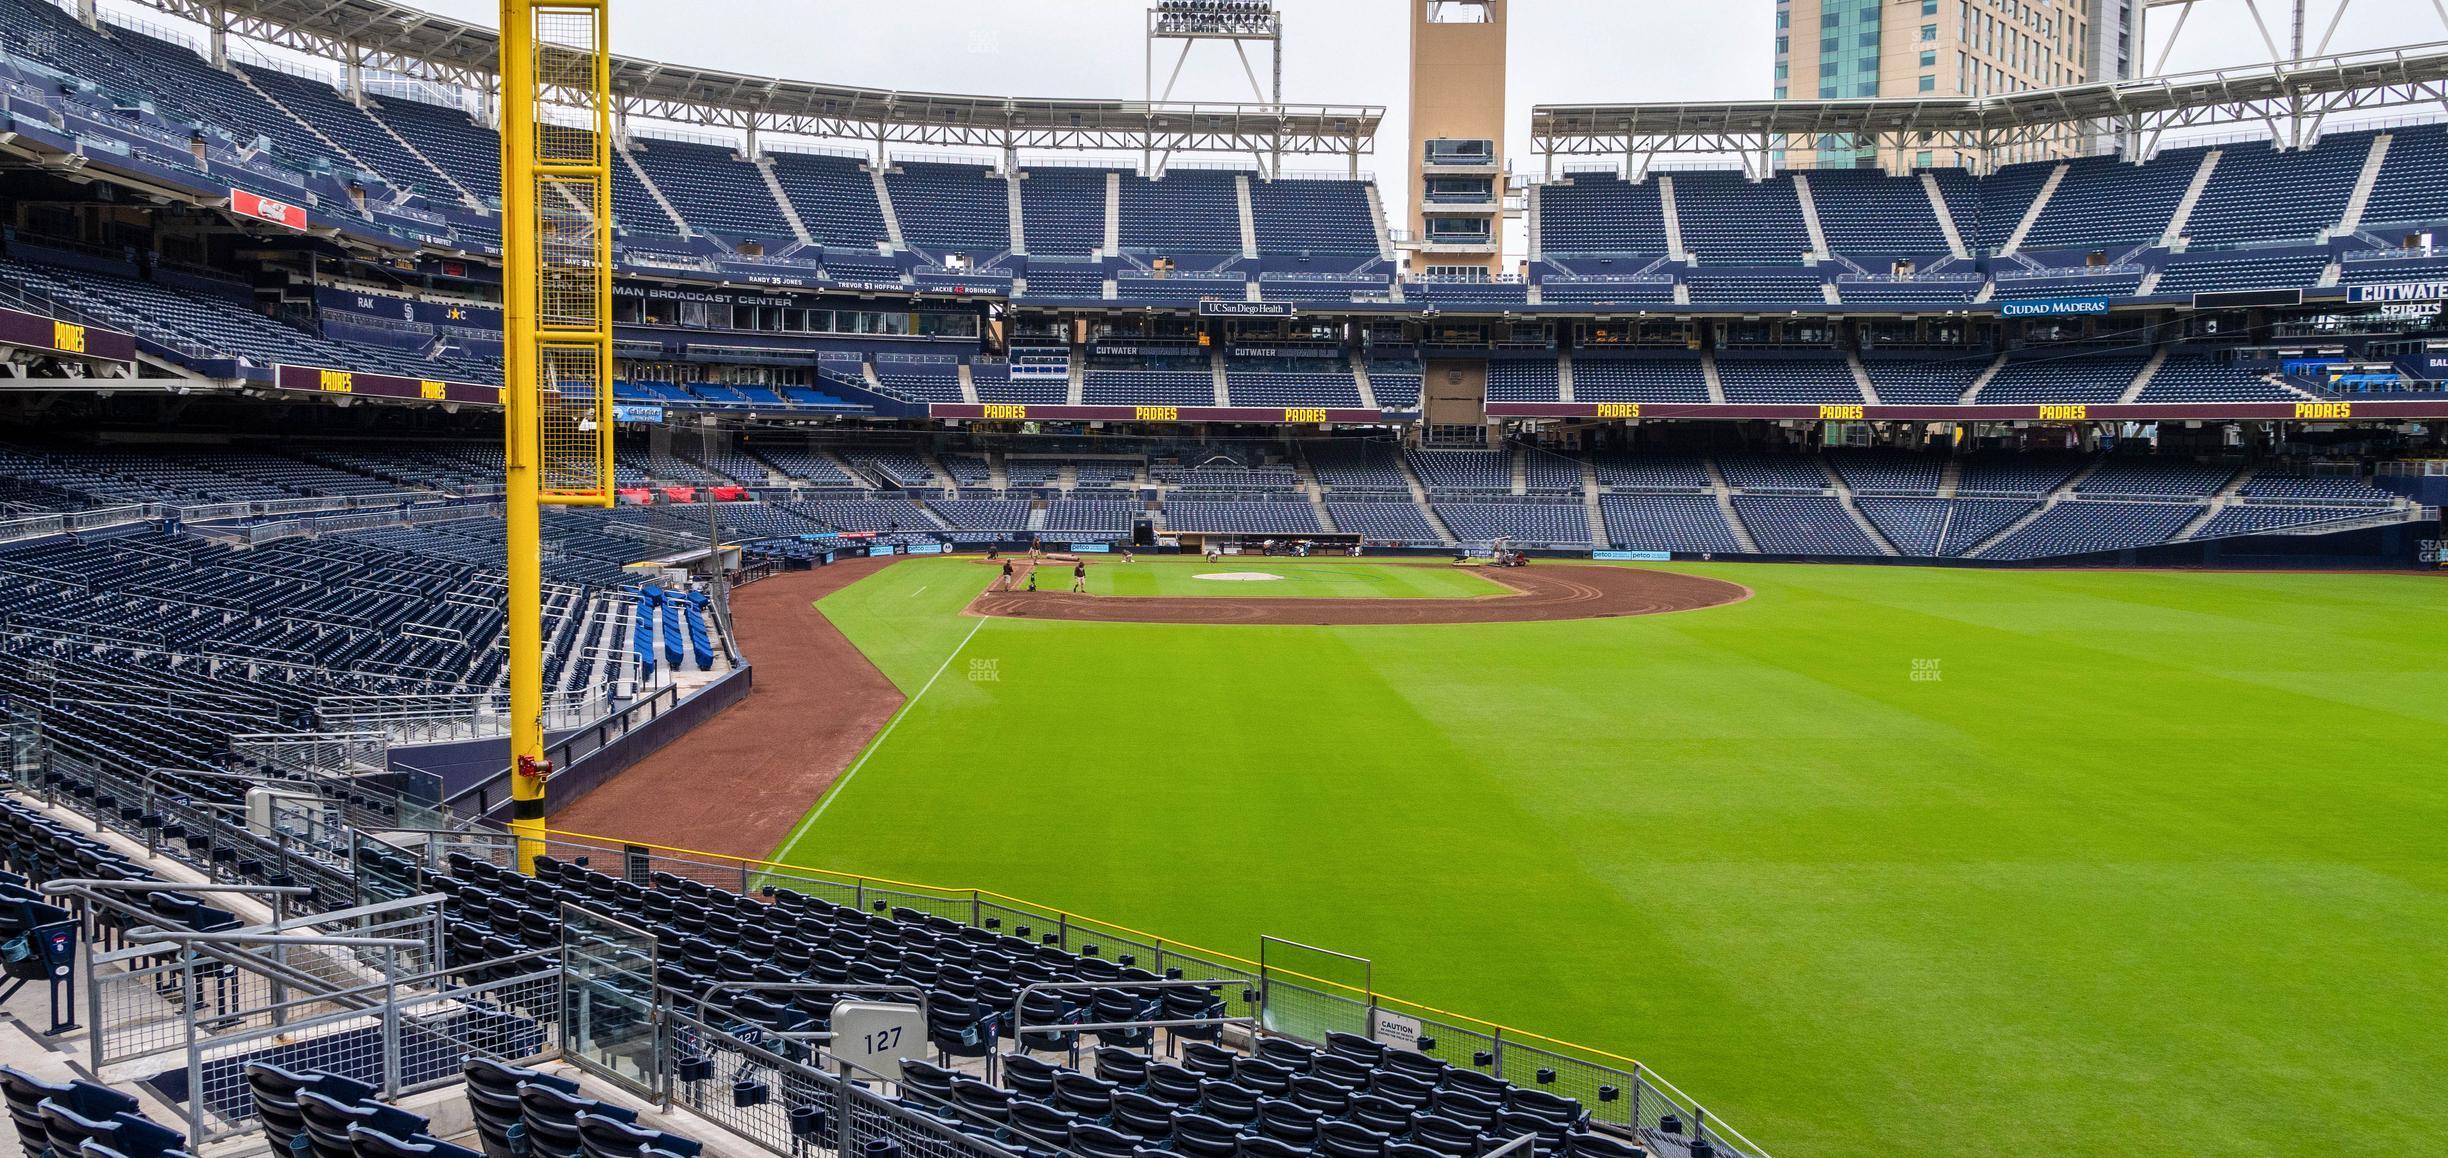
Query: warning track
(1540,593)
(738,783)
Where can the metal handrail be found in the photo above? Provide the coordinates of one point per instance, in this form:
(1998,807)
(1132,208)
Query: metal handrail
(799,987)
(1020,1002)
(147,934)
(207,944)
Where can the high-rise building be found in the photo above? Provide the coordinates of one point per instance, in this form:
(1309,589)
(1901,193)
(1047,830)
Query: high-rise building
(1900,49)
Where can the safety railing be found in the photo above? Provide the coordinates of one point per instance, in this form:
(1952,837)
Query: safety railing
(1619,1091)
(426,719)
(770,1092)
(128,514)
(412,1034)
(153,985)
(217,839)
(368,986)
(481,798)
(41,526)
(261,533)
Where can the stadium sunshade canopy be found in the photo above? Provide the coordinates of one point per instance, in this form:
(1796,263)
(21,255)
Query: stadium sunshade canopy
(375,34)
(2314,86)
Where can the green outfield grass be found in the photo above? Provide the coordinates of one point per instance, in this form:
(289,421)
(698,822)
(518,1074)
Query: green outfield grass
(2143,863)
(1296,578)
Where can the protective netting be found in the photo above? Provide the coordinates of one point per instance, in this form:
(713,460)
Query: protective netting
(569,165)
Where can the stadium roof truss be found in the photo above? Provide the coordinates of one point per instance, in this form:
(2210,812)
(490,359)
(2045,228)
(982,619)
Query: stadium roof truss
(380,36)
(2292,99)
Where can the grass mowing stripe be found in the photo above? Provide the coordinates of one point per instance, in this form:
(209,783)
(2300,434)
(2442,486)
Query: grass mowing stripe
(791,843)
(1880,853)
(905,616)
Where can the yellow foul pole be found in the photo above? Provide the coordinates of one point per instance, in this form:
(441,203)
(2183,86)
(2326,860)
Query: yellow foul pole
(557,310)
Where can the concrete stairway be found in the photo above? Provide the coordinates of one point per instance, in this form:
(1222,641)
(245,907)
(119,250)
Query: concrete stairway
(790,212)
(1946,217)
(883,194)
(2031,216)
(2192,197)
(2142,379)
(2360,200)
(652,190)
(1723,492)
(1844,496)
(1590,506)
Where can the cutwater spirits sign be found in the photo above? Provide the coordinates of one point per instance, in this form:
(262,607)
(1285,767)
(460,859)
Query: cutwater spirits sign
(2399,291)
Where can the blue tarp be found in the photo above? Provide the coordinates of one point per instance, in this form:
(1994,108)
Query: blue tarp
(642,641)
(701,641)
(673,649)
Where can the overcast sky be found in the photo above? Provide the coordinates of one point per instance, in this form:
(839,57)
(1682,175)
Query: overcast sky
(1344,51)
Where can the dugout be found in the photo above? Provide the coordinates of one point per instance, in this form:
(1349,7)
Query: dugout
(1320,545)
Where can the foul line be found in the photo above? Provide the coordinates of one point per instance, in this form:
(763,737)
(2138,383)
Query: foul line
(835,792)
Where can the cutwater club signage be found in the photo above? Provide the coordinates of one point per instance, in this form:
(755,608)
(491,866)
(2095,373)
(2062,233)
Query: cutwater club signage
(2399,291)
(2054,308)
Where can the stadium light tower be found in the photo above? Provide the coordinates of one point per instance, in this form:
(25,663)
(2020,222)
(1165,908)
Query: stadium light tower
(1235,22)
(557,321)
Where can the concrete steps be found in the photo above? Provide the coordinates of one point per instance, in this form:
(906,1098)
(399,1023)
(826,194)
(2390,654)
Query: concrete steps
(1011,210)
(1810,219)
(654,191)
(1946,216)
(2192,197)
(2031,216)
(1723,492)
(2010,528)
(790,212)
(1377,218)
(1368,392)
(1674,219)
(1419,498)
(1844,496)
(1973,391)
(1249,217)
(2352,219)
(2064,491)
(883,194)
(1590,506)
(338,149)
(2142,379)
(1861,378)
